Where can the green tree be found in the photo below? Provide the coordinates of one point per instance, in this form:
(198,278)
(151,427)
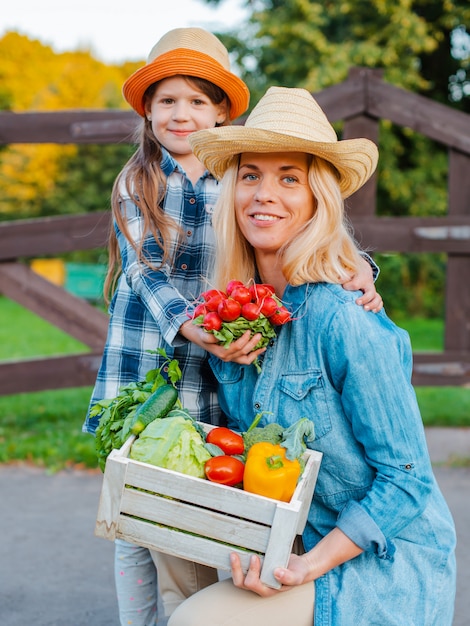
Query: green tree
(422,46)
(86,178)
(312,44)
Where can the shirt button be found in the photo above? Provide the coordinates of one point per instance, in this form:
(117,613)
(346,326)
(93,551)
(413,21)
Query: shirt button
(184,266)
(189,233)
(257,406)
(192,200)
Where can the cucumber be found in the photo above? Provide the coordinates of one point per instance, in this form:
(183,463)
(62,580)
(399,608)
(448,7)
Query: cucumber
(156,406)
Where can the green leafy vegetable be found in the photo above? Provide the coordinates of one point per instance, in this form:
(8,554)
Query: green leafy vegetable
(296,437)
(233,330)
(271,433)
(173,443)
(117,414)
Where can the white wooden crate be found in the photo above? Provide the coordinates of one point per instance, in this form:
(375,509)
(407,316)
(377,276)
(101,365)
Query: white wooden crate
(199,520)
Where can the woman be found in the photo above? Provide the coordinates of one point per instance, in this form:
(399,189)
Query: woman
(379,541)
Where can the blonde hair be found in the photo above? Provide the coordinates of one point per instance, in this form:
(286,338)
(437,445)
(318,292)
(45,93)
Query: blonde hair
(145,182)
(324,249)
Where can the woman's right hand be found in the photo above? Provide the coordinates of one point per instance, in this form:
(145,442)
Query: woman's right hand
(241,351)
(292,577)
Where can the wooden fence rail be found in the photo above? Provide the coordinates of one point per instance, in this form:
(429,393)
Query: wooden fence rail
(361,102)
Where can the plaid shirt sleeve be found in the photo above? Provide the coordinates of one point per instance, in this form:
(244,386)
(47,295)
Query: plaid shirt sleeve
(168,291)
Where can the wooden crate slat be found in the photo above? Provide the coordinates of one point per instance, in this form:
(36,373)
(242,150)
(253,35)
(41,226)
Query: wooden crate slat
(199,491)
(109,505)
(306,487)
(192,518)
(193,548)
(283,533)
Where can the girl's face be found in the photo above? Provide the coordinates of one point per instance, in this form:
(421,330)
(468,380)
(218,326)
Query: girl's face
(273,199)
(177,109)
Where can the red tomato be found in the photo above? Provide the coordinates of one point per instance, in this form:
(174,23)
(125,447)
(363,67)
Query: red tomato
(229,309)
(227,440)
(233,284)
(250,311)
(241,294)
(258,292)
(226,470)
(269,306)
(281,316)
(212,321)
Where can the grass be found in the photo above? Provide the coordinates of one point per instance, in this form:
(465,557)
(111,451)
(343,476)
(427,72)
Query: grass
(44,428)
(440,406)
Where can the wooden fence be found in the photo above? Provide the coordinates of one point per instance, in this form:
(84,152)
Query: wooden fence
(361,102)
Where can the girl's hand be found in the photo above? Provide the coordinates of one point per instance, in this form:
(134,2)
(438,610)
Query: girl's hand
(364,281)
(240,351)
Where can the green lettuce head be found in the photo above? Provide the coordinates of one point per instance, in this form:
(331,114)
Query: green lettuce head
(173,443)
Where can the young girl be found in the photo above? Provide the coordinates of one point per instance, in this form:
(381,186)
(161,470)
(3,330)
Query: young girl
(160,251)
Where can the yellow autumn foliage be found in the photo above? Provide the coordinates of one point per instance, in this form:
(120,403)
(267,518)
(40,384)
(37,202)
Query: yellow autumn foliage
(35,78)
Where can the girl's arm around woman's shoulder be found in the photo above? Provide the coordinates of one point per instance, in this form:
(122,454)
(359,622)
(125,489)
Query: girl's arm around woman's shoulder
(364,280)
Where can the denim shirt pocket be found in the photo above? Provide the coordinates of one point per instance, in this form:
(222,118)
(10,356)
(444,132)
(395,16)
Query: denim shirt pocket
(303,395)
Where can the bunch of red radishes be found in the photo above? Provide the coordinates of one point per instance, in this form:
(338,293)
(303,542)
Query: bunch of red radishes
(229,314)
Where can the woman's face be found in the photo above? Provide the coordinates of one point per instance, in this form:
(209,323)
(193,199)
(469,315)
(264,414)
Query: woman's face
(273,199)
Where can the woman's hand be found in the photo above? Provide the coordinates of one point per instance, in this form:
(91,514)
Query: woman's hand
(240,351)
(296,573)
(364,281)
(334,549)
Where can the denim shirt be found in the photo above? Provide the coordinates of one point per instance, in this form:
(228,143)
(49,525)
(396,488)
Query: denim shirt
(349,371)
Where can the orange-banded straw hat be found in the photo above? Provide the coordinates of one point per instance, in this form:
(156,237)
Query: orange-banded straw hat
(288,120)
(189,52)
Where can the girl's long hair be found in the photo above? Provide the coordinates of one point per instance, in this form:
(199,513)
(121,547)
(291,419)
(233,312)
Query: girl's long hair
(323,250)
(144,181)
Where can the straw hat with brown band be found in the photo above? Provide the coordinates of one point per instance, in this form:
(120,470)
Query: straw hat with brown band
(288,120)
(190,52)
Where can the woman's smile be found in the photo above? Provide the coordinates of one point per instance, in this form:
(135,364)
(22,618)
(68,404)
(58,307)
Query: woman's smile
(273,199)
(263,217)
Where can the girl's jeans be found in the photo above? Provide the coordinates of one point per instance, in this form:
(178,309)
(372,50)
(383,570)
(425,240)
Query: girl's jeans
(138,586)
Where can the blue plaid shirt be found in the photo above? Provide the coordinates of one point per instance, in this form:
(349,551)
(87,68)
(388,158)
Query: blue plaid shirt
(149,306)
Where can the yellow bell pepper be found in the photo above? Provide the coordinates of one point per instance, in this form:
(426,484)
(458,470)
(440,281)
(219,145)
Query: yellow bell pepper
(269,473)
